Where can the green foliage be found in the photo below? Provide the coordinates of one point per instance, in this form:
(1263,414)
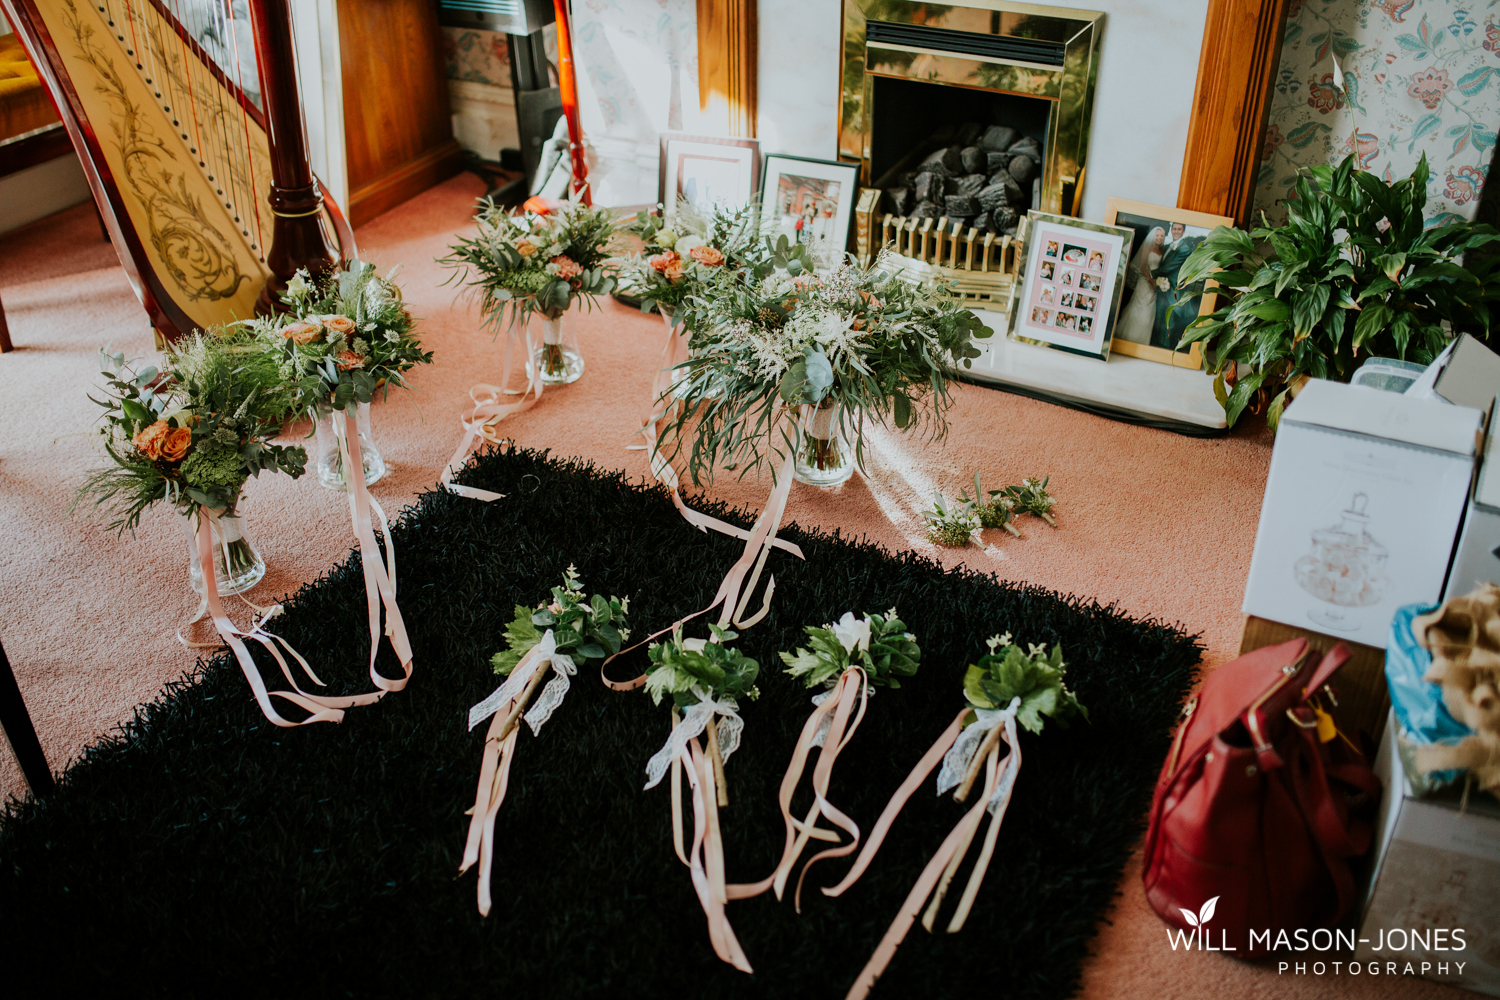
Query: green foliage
(953,522)
(680,664)
(192,431)
(348,334)
(588,629)
(995,509)
(522,264)
(1353,270)
(1034,676)
(885,350)
(878,643)
(1031,497)
(667,274)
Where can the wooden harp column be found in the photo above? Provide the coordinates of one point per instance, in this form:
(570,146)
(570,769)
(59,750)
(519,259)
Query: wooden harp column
(298,239)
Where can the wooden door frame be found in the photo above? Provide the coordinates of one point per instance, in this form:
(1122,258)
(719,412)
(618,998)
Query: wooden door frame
(1238,64)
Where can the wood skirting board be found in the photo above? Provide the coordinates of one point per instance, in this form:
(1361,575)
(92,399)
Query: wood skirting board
(404,182)
(1364,697)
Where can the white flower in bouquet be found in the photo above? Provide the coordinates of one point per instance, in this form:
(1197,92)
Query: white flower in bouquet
(853,634)
(687,243)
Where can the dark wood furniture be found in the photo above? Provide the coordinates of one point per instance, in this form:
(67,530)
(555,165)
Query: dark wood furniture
(16,721)
(398,130)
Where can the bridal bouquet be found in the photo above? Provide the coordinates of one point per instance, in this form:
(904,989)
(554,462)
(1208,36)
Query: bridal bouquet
(685,254)
(843,348)
(556,637)
(193,431)
(705,678)
(1007,686)
(847,660)
(538,263)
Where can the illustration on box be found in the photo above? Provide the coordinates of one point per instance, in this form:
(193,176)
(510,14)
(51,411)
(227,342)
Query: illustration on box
(1345,569)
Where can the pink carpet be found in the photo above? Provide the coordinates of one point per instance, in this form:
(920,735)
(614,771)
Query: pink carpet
(1160,524)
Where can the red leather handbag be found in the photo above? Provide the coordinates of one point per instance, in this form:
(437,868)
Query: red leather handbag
(1261,805)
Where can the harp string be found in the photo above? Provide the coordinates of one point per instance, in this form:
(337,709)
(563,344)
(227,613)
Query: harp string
(245,122)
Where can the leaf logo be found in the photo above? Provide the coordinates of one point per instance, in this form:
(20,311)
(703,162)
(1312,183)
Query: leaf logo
(1204,914)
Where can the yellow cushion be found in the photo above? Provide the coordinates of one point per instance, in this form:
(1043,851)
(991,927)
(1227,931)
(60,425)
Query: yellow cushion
(24,104)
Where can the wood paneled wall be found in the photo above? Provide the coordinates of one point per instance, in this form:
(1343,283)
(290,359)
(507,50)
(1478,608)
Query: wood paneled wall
(397,127)
(728,50)
(1241,53)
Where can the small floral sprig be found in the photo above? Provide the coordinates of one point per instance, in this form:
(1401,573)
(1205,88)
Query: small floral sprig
(585,628)
(680,664)
(1031,497)
(349,329)
(878,643)
(540,261)
(996,509)
(1035,676)
(192,431)
(952,522)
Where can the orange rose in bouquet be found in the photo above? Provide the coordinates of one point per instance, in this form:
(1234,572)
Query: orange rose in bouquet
(707,256)
(567,269)
(302,332)
(174,444)
(347,360)
(665,260)
(338,324)
(148,440)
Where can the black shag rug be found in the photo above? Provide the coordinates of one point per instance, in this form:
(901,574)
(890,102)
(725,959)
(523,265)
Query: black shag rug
(200,851)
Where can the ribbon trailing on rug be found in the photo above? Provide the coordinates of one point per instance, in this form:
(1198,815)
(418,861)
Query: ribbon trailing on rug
(504,708)
(321,707)
(380,578)
(1030,685)
(488,412)
(677,668)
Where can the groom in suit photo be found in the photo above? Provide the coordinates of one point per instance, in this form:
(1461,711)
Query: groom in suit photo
(1172,316)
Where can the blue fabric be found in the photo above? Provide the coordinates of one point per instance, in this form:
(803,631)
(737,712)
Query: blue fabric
(1418,703)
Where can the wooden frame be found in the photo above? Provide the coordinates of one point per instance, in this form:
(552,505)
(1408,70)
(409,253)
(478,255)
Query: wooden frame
(668,181)
(1193,357)
(728,49)
(1240,56)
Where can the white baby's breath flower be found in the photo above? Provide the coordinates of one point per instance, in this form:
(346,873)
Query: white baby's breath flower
(995,641)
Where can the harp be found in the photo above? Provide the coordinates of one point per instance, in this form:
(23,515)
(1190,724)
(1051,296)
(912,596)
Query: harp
(186,118)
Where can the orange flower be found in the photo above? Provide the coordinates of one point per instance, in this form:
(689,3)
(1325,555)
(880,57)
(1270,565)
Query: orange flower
(566,267)
(707,256)
(525,247)
(673,271)
(148,440)
(664,260)
(339,324)
(347,360)
(174,444)
(302,332)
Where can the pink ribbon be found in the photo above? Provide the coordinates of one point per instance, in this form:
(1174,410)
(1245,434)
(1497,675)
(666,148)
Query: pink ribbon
(488,411)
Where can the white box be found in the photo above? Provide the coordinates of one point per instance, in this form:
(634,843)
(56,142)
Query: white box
(1362,506)
(1471,375)
(1436,869)
(1477,559)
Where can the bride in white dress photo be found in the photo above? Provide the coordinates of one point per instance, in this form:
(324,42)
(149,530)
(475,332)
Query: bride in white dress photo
(1140,312)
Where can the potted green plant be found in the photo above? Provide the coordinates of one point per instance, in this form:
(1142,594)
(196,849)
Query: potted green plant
(1353,271)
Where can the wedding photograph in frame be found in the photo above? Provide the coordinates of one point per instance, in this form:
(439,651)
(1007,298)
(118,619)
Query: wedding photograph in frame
(806,200)
(1069,295)
(1154,313)
(708,171)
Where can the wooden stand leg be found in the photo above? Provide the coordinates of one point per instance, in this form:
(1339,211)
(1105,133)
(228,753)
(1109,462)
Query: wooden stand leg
(21,733)
(5,344)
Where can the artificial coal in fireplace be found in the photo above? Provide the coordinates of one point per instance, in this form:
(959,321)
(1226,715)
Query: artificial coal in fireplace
(981,177)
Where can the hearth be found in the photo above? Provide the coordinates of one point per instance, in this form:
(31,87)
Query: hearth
(963,117)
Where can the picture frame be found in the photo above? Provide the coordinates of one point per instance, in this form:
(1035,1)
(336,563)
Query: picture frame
(1069,292)
(707,170)
(807,199)
(1163,331)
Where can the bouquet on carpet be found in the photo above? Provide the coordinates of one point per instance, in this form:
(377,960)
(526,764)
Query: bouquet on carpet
(685,254)
(556,637)
(847,659)
(191,433)
(839,349)
(705,680)
(1007,686)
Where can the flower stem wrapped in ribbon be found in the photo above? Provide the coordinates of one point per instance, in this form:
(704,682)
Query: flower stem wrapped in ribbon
(191,433)
(572,630)
(1005,687)
(846,659)
(705,679)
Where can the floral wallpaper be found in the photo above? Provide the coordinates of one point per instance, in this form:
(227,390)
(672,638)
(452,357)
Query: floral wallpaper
(477,56)
(1420,76)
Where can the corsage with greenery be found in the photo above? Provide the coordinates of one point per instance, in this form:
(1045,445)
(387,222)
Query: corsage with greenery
(1031,497)
(952,522)
(571,630)
(1007,685)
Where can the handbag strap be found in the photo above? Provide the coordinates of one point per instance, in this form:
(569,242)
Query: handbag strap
(1319,811)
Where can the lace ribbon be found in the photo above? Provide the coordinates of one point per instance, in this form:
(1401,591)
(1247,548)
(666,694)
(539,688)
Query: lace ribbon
(487,413)
(500,748)
(694,721)
(999,783)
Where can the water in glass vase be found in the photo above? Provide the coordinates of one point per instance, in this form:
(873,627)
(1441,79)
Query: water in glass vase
(558,360)
(824,457)
(331,430)
(237,564)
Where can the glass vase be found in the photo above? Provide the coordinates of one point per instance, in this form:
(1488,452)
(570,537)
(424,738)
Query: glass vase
(824,456)
(237,564)
(558,360)
(330,461)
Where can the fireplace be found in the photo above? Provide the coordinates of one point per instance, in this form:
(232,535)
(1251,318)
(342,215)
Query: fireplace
(962,118)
